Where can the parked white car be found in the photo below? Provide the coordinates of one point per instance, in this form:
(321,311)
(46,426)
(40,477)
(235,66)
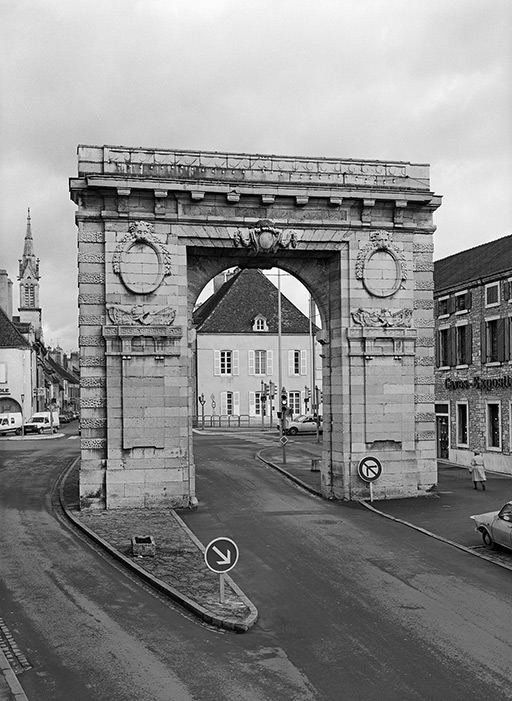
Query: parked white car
(303,424)
(496,527)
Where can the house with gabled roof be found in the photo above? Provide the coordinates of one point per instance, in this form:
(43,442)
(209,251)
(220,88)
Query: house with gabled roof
(242,356)
(473,354)
(17,368)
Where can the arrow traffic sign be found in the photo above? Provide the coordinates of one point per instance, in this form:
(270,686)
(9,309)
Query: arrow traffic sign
(221,555)
(369,469)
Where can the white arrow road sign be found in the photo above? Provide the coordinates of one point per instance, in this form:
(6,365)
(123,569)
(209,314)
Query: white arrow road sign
(221,555)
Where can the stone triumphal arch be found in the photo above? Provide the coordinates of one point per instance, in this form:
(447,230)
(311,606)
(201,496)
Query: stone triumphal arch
(154,226)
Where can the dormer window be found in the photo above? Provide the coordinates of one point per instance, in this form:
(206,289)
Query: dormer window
(260,323)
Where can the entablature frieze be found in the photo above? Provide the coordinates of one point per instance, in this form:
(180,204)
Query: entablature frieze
(370,342)
(155,341)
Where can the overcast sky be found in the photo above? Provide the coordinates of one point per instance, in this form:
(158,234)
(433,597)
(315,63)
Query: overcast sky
(427,81)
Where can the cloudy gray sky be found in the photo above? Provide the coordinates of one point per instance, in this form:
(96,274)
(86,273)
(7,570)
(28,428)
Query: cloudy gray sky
(414,80)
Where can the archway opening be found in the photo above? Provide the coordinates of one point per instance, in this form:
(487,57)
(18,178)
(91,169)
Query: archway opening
(257,360)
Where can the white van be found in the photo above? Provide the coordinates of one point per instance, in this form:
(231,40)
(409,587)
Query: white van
(10,423)
(43,420)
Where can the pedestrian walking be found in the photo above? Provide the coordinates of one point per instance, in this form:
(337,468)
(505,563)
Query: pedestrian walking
(477,470)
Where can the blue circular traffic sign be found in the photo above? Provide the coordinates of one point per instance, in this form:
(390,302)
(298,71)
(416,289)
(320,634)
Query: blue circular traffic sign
(221,555)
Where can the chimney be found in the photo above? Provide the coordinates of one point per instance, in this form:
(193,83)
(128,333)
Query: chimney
(6,293)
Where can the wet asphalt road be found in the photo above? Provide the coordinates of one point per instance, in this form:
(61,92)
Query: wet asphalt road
(351,606)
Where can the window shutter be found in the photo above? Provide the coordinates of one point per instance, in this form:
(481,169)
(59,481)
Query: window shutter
(252,404)
(506,330)
(216,362)
(223,403)
(291,362)
(270,362)
(468,300)
(251,362)
(303,362)
(483,342)
(236,363)
(507,289)
(469,345)
(236,403)
(437,349)
(451,305)
(501,340)
(452,341)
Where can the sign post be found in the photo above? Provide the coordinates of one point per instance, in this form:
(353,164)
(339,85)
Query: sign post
(221,555)
(369,469)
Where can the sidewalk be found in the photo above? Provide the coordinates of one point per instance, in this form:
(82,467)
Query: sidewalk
(445,514)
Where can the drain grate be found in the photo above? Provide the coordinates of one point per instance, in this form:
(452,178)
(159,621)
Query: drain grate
(15,657)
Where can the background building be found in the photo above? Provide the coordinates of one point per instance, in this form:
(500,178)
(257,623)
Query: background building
(473,389)
(237,352)
(32,377)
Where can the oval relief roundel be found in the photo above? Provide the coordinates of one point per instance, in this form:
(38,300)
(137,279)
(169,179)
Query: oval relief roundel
(141,260)
(381,265)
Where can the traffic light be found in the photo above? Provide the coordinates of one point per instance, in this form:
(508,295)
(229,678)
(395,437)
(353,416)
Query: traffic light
(271,389)
(284,399)
(307,393)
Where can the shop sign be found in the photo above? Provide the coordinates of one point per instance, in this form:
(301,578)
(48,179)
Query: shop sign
(485,383)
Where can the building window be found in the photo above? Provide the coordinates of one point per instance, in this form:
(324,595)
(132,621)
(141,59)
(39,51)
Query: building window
(492,294)
(444,348)
(294,403)
(297,362)
(225,362)
(463,344)
(492,337)
(462,424)
(493,426)
(229,403)
(462,302)
(260,362)
(442,307)
(260,324)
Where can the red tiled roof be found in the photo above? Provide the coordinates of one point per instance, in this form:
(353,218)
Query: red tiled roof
(488,260)
(233,308)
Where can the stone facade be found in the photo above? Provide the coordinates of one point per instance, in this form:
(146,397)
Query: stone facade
(474,356)
(154,226)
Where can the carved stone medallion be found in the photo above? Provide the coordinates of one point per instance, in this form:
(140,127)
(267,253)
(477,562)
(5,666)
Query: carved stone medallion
(141,260)
(381,265)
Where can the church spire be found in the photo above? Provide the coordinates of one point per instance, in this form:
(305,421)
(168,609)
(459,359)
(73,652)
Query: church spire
(28,248)
(29,259)
(29,309)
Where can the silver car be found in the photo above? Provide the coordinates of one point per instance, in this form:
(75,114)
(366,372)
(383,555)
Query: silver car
(303,424)
(496,527)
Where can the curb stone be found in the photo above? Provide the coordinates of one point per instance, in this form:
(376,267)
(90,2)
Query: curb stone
(188,603)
